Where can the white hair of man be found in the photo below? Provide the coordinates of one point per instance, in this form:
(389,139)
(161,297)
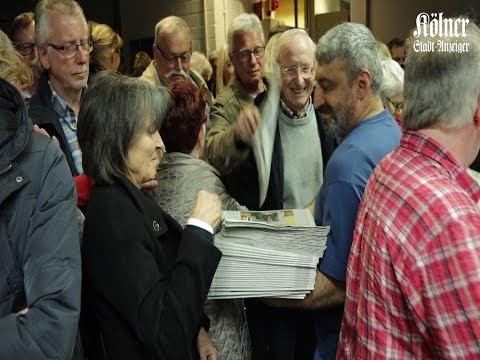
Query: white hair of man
(170,25)
(442,88)
(354,45)
(392,83)
(243,23)
(287,37)
(45,7)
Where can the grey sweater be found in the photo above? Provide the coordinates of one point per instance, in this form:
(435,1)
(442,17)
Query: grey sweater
(302,159)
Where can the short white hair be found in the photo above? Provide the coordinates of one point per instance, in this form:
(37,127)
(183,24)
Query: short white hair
(244,23)
(170,25)
(392,83)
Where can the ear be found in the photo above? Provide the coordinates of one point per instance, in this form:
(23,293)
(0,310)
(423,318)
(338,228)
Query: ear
(155,51)
(363,84)
(43,57)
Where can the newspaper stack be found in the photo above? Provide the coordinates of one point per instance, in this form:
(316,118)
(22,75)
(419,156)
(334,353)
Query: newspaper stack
(267,254)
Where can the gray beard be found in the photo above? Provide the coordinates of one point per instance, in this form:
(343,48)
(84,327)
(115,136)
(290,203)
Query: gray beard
(339,125)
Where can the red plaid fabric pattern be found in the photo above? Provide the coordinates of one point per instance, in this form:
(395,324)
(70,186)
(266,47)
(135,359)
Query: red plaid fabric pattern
(413,277)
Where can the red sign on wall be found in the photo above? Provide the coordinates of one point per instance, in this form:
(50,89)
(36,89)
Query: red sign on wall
(275,4)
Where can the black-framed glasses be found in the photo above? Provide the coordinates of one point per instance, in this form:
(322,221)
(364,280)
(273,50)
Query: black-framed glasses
(70,50)
(172,59)
(397,106)
(24,48)
(245,55)
(292,71)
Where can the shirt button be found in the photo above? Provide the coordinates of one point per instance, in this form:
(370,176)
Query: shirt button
(19,179)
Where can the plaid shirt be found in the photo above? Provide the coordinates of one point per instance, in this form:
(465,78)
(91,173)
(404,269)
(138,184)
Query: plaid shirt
(68,122)
(413,277)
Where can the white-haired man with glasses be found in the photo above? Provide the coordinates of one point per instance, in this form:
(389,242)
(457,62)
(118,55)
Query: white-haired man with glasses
(64,50)
(172,54)
(234,114)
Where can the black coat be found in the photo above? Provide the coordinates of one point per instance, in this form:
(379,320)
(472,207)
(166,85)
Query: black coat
(146,280)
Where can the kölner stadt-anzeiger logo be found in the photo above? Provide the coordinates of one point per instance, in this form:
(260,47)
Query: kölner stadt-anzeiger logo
(437,26)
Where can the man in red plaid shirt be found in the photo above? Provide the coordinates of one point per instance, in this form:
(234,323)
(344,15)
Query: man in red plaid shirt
(413,276)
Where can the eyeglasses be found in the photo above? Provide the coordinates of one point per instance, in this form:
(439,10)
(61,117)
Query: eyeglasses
(397,106)
(184,57)
(292,71)
(70,50)
(24,48)
(245,55)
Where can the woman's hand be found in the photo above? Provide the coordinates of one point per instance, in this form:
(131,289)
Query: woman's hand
(208,208)
(205,348)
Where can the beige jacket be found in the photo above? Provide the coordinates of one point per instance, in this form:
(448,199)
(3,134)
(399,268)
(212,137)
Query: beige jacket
(220,148)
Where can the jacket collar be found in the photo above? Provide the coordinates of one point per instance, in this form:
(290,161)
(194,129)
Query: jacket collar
(242,94)
(153,216)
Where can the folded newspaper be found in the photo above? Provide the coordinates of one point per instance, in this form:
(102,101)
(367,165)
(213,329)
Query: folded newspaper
(268,254)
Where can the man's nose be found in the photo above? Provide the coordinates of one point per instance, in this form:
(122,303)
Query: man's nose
(177,65)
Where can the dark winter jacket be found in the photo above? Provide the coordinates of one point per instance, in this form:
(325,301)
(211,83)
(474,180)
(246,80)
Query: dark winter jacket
(40,265)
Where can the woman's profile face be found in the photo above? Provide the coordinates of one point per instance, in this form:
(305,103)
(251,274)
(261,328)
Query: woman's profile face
(142,157)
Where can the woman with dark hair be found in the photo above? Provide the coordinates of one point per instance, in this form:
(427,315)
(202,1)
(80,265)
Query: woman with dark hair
(182,173)
(145,279)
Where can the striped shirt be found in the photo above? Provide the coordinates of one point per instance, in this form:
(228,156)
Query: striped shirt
(68,122)
(413,276)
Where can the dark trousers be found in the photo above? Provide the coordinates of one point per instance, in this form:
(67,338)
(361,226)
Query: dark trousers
(279,334)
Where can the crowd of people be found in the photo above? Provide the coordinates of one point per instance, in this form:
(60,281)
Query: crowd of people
(112,188)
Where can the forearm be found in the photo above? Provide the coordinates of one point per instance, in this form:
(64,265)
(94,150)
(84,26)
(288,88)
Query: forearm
(57,311)
(326,294)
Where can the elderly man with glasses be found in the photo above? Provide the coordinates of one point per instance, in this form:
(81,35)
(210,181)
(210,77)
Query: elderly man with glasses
(172,53)
(234,114)
(64,49)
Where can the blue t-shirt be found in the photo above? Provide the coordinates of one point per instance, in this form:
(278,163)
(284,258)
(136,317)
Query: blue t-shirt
(337,204)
